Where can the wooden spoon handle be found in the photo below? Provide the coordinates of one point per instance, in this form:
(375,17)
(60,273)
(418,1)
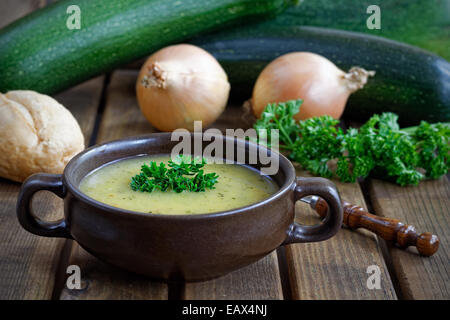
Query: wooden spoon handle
(387,228)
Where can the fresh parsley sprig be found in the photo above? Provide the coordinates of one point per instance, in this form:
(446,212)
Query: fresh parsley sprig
(379,148)
(183,174)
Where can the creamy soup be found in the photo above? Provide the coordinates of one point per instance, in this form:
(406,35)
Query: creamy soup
(237,186)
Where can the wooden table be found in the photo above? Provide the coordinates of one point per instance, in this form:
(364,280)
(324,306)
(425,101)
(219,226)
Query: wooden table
(33,267)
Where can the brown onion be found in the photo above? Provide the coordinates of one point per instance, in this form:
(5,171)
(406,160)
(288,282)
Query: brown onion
(323,87)
(180,84)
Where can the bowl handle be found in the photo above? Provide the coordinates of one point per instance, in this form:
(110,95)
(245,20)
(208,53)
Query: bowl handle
(325,189)
(28,220)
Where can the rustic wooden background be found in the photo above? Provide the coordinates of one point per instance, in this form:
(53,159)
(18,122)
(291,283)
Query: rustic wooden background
(33,267)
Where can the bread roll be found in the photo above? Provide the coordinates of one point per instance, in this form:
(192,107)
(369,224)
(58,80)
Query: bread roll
(37,134)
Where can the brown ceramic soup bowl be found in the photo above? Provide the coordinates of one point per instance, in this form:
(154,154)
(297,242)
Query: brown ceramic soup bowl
(172,247)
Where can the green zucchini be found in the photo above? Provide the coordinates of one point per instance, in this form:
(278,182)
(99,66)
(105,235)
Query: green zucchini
(422,23)
(409,81)
(39,52)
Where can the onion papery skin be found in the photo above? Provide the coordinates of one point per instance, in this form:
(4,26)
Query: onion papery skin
(181,84)
(322,86)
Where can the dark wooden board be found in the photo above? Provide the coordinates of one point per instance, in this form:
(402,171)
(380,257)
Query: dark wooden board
(427,208)
(336,268)
(28,263)
(83,102)
(260,280)
(101,281)
(10,10)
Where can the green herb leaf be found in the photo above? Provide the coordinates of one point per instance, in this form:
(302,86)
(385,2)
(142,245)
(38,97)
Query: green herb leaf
(379,148)
(280,117)
(432,143)
(183,174)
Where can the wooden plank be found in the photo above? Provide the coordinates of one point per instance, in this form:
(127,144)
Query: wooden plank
(336,268)
(83,101)
(28,263)
(121,118)
(427,208)
(260,280)
(100,280)
(13,9)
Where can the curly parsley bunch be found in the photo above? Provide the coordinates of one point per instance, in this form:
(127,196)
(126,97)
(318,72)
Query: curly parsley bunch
(182,174)
(379,148)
